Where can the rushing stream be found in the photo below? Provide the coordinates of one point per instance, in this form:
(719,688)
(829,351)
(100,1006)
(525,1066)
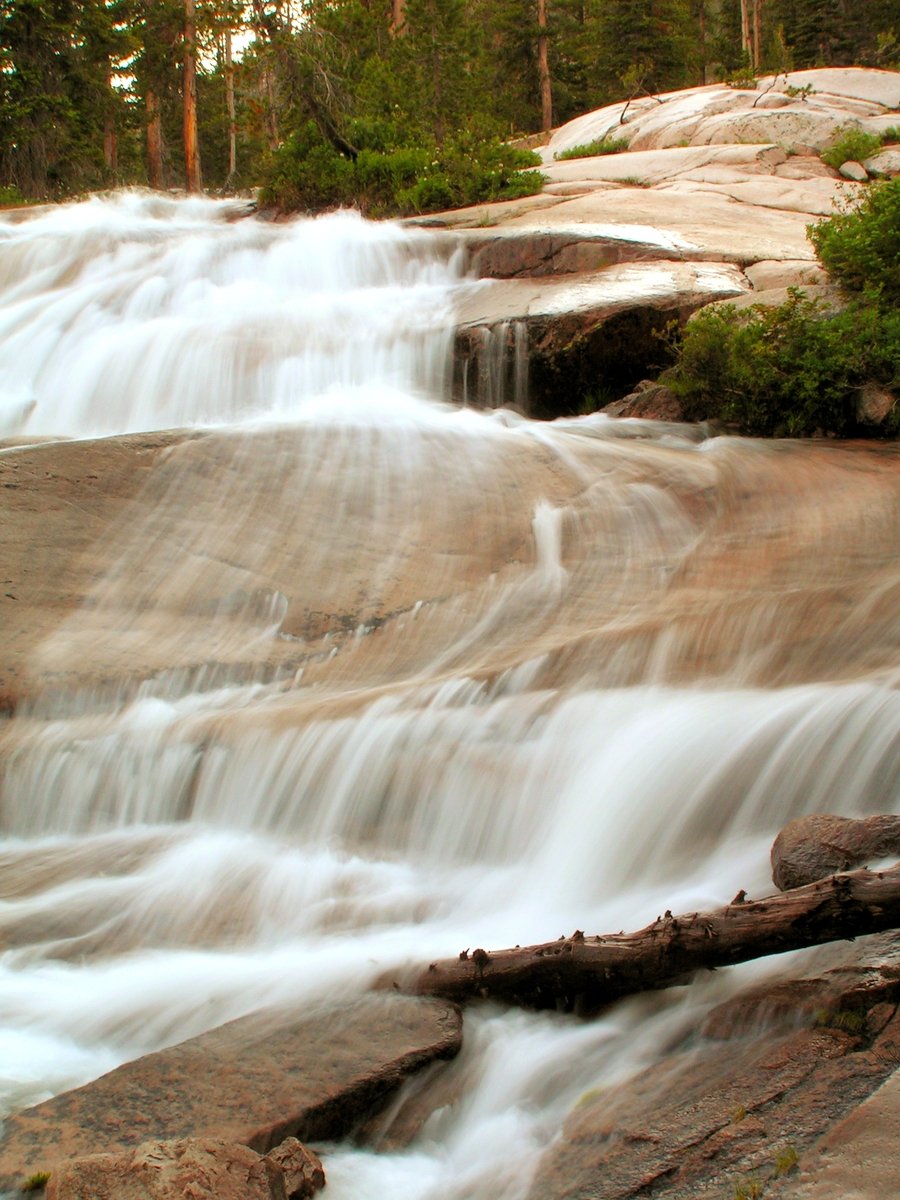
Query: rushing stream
(363,677)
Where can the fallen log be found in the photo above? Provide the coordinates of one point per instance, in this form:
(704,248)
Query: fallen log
(584,974)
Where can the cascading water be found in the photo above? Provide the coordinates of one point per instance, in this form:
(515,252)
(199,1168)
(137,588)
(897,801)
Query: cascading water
(362,678)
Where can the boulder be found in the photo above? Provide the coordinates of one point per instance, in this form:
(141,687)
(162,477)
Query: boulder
(853,170)
(302,1169)
(817,845)
(197,1168)
(650,400)
(884,165)
(874,404)
(254,1081)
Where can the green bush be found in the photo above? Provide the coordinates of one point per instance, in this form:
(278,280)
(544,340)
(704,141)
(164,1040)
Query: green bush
(387,179)
(787,371)
(798,368)
(594,149)
(860,248)
(852,145)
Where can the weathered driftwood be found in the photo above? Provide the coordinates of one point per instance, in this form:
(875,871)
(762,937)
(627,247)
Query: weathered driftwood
(581,973)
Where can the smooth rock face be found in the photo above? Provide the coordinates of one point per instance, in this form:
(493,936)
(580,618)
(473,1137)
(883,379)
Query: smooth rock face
(253,1082)
(817,845)
(768,275)
(750,1098)
(199,1168)
(718,114)
(59,500)
(855,171)
(885,164)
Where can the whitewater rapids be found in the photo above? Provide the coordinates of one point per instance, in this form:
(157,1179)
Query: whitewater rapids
(362,677)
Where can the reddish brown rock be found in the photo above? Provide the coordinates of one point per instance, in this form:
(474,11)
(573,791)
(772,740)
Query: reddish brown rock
(650,400)
(255,1082)
(199,1169)
(817,845)
(302,1170)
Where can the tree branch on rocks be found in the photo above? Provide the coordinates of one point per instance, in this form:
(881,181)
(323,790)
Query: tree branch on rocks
(584,974)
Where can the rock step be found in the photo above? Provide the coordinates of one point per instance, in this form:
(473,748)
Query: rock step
(254,1081)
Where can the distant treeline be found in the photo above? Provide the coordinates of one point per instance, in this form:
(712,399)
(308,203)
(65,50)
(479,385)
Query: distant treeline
(224,94)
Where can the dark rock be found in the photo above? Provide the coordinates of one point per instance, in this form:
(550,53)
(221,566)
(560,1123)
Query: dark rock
(817,845)
(255,1081)
(653,401)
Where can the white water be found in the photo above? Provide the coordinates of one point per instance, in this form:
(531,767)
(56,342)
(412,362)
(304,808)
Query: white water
(364,678)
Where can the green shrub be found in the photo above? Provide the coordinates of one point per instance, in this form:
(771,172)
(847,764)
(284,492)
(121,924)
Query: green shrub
(606,145)
(851,145)
(387,179)
(860,248)
(787,371)
(798,368)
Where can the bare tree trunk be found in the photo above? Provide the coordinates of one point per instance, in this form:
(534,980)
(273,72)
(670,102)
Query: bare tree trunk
(757,33)
(745,29)
(110,137)
(191,146)
(154,142)
(587,973)
(398,16)
(229,104)
(544,67)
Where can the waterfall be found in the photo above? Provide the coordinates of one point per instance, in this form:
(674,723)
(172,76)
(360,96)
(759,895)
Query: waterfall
(360,677)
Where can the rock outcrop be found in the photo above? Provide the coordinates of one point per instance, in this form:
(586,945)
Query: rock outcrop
(726,177)
(199,1168)
(253,1082)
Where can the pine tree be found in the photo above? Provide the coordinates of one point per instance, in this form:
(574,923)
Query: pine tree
(645,45)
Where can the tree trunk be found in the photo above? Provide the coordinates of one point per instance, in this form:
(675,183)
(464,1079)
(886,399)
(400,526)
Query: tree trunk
(585,974)
(154,142)
(745,29)
(191,146)
(543,48)
(757,34)
(229,105)
(398,16)
(110,137)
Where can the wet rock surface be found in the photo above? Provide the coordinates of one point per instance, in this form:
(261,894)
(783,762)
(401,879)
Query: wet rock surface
(254,1082)
(816,845)
(766,1089)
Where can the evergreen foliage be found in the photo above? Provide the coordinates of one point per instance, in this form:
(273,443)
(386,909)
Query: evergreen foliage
(798,368)
(91,90)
